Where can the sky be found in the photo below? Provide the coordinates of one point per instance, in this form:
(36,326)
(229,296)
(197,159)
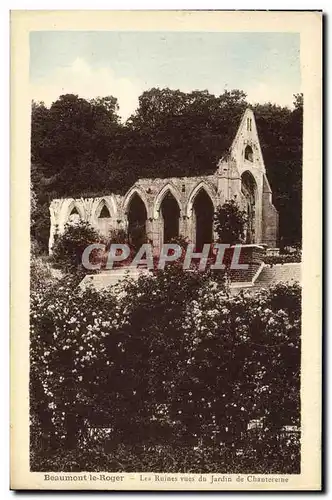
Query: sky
(124,64)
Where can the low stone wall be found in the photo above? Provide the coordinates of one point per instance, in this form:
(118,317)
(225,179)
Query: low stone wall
(252,255)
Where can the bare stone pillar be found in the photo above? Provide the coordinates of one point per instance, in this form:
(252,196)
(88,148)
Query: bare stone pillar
(155,234)
(183,226)
(149,229)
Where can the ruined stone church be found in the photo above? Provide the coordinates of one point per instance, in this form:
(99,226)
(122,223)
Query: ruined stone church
(161,209)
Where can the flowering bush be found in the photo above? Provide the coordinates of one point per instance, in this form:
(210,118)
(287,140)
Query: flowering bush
(170,358)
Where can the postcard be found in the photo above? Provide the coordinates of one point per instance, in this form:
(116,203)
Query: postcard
(166,245)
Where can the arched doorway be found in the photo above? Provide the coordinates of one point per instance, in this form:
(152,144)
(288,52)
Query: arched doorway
(203,212)
(137,216)
(104,220)
(170,213)
(248,189)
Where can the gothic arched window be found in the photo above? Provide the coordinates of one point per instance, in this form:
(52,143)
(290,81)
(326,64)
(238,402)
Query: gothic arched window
(74,216)
(104,219)
(104,213)
(74,211)
(249,154)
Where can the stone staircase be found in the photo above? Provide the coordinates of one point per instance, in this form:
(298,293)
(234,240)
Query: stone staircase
(111,277)
(268,275)
(252,256)
(278,273)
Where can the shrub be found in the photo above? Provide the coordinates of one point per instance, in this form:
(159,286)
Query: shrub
(230,221)
(70,245)
(173,458)
(282,258)
(40,223)
(291,250)
(118,236)
(40,272)
(40,268)
(180,240)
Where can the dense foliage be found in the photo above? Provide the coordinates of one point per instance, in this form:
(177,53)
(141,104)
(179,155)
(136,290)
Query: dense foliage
(69,246)
(176,373)
(282,259)
(41,272)
(289,255)
(80,148)
(230,222)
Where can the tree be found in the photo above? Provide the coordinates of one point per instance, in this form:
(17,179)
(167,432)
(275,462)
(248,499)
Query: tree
(280,132)
(72,139)
(177,133)
(70,145)
(230,222)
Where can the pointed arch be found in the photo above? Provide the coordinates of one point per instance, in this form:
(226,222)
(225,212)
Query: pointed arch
(137,220)
(202,219)
(107,202)
(249,195)
(248,182)
(169,218)
(128,197)
(75,207)
(104,214)
(167,188)
(203,185)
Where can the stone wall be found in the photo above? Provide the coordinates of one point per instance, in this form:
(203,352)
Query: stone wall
(252,255)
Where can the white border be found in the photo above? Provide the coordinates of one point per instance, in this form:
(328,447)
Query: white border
(4,199)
